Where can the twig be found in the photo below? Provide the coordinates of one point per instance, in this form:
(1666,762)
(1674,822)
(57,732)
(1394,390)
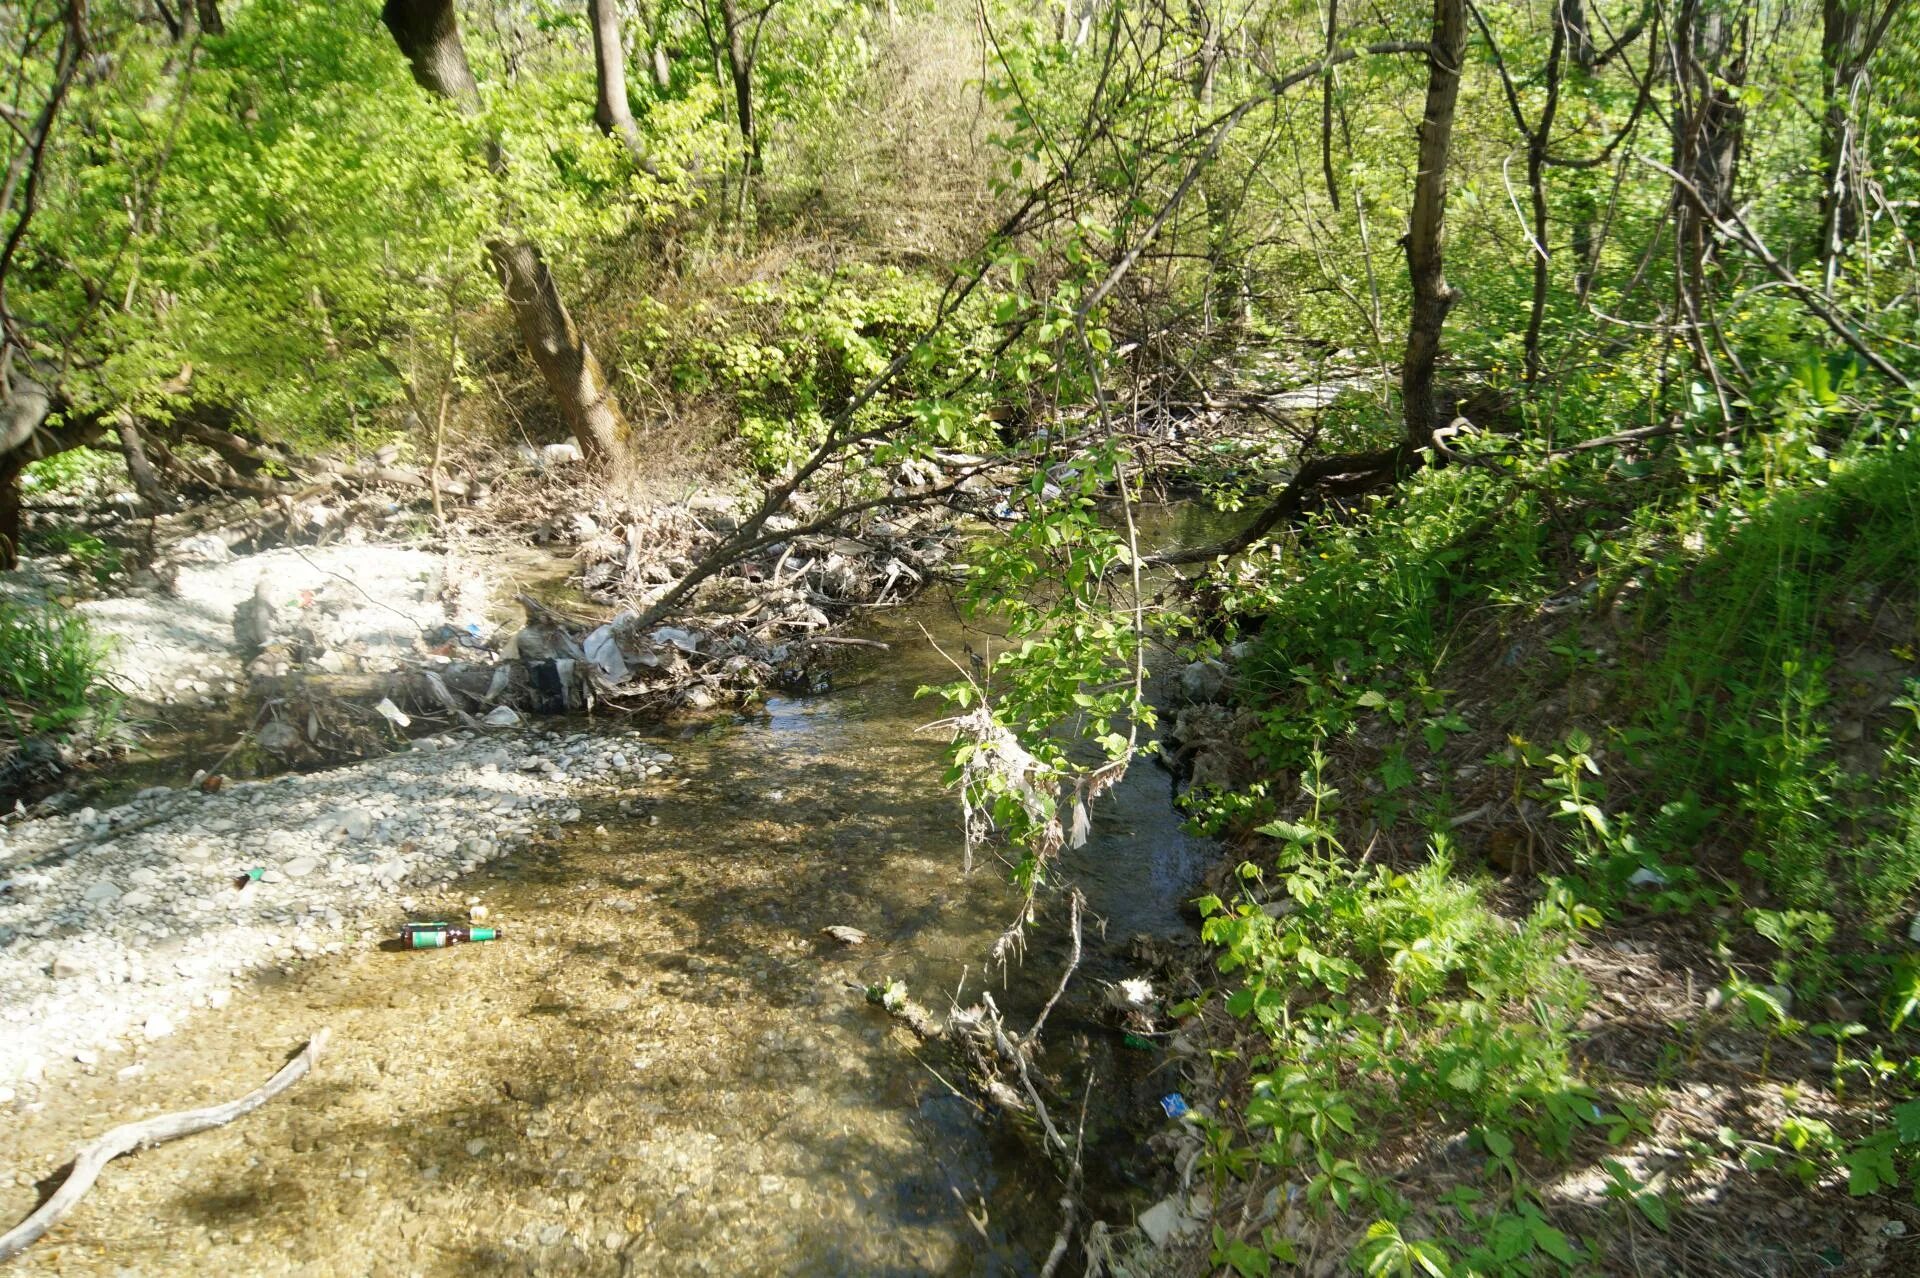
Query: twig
(554,616)
(1070,1200)
(357,586)
(1033,1035)
(849,641)
(92,1158)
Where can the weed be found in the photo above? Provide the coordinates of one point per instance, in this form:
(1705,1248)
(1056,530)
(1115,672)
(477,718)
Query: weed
(52,673)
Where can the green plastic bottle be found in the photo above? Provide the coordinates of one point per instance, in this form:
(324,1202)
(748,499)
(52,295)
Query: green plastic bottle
(434,936)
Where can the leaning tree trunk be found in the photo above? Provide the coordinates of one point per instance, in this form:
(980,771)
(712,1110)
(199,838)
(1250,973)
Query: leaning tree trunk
(611,110)
(146,480)
(429,36)
(1433,297)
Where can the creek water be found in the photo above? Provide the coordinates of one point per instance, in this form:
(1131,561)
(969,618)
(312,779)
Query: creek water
(664,1067)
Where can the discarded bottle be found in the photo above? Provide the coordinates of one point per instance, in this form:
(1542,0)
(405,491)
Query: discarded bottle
(251,876)
(434,936)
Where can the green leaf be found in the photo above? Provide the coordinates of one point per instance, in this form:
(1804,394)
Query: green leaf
(1551,1241)
(1906,1121)
(1433,1258)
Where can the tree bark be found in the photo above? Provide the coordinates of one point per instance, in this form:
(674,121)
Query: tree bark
(740,69)
(146,481)
(1708,121)
(611,110)
(1537,142)
(1848,39)
(210,20)
(1581,53)
(1433,297)
(427,33)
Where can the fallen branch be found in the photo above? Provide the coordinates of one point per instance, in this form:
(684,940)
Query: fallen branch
(1073,963)
(1343,474)
(148,1132)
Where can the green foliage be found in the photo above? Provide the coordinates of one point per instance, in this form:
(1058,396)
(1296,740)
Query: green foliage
(790,355)
(52,673)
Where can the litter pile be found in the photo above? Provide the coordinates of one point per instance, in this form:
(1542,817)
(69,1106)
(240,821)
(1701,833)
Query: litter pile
(762,621)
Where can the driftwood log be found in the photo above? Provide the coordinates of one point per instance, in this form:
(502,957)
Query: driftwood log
(93,1157)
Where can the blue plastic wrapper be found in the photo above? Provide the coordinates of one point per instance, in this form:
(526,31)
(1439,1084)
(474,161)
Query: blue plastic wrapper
(1174,1103)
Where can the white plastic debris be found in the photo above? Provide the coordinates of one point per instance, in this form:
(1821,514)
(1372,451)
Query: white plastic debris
(502,717)
(392,713)
(1646,877)
(604,654)
(684,640)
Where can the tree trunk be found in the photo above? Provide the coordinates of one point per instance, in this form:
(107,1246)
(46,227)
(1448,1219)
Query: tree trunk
(740,69)
(1326,111)
(1847,43)
(1537,142)
(1710,54)
(429,36)
(11,465)
(210,20)
(1841,21)
(146,481)
(571,370)
(1433,297)
(1581,53)
(611,110)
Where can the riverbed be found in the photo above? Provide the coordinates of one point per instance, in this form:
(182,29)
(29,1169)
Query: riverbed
(663,1066)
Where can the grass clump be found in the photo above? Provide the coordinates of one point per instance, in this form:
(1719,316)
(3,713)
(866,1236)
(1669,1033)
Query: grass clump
(52,674)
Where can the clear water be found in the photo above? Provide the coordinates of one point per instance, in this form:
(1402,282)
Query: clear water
(664,1067)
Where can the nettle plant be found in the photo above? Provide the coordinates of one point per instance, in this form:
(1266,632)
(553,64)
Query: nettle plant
(1376,992)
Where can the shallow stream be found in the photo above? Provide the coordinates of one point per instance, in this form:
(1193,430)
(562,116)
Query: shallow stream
(663,1067)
